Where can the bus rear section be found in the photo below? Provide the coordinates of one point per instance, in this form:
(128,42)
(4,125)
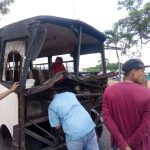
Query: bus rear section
(28,50)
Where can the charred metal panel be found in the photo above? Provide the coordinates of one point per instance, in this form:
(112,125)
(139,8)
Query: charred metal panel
(47,36)
(37,37)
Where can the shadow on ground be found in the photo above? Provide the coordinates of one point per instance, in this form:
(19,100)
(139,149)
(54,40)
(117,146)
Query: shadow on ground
(105,140)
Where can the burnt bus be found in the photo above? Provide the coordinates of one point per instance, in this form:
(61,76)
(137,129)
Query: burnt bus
(27,50)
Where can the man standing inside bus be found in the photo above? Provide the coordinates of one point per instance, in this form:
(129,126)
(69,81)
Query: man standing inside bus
(57,66)
(76,122)
(9,91)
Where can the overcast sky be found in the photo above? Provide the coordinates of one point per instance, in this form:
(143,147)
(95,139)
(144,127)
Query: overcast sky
(101,14)
(98,13)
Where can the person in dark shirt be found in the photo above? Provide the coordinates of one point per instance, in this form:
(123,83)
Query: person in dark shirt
(126,109)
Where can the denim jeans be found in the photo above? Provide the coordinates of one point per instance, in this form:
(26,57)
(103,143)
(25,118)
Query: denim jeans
(88,142)
(115,147)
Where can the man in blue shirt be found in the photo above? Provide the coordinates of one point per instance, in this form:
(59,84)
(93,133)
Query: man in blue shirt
(76,122)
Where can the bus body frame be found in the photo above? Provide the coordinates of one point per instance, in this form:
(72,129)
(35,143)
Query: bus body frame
(26,124)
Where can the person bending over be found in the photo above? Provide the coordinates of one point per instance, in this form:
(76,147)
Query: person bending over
(65,110)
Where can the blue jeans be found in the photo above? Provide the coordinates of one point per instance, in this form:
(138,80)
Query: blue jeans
(88,142)
(115,147)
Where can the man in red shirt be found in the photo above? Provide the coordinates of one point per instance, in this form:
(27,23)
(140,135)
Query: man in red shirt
(126,109)
(57,66)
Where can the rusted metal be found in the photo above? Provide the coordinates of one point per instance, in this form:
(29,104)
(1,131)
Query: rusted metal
(21,122)
(36,120)
(16,136)
(40,37)
(59,147)
(89,94)
(46,132)
(38,137)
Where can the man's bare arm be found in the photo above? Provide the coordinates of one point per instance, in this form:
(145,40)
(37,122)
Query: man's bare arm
(12,89)
(126,148)
(58,126)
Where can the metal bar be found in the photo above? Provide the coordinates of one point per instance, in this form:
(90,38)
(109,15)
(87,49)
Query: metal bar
(43,131)
(54,148)
(79,49)
(103,60)
(13,74)
(90,94)
(21,122)
(37,120)
(38,137)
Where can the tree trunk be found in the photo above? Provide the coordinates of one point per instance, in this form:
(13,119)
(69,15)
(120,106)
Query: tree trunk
(119,65)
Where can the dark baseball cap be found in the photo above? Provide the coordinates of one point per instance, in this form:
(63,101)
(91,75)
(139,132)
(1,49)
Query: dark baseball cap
(131,64)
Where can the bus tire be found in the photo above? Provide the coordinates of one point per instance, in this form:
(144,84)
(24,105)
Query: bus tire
(33,144)
(5,138)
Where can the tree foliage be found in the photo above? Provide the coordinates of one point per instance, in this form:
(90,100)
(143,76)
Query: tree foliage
(112,66)
(129,4)
(113,37)
(4,6)
(118,40)
(138,21)
(127,32)
(92,69)
(97,68)
(133,30)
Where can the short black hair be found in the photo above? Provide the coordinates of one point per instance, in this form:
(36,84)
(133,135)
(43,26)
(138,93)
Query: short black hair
(131,64)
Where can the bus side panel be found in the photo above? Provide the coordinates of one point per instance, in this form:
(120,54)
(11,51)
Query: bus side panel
(9,110)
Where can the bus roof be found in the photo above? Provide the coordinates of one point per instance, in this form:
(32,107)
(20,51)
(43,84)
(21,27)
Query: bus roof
(62,35)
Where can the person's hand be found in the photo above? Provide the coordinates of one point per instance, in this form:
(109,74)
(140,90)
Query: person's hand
(126,148)
(14,86)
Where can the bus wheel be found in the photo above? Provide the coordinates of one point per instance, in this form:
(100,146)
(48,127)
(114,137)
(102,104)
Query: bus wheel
(33,144)
(5,138)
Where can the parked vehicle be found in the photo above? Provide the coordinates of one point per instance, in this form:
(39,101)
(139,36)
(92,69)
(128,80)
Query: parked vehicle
(23,115)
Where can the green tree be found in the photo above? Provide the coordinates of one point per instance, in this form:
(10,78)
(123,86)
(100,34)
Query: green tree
(135,28)
(113,67)
(137,23)
(129,4)
(92,69)
(4,6)
(97,68)
(115,39)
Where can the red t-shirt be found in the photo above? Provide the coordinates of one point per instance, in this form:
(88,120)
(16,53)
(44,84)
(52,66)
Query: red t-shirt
(126,114)
(57,67)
